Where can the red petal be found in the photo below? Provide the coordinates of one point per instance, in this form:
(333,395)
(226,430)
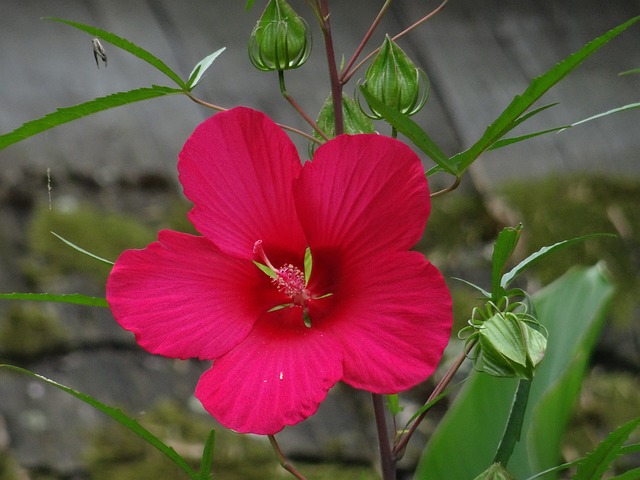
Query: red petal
(184,298)
(276,377)
(237,168)
(393,316)
(363,193)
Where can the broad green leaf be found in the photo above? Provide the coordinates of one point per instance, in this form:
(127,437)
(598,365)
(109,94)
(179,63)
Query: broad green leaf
(82,250)
(201,67)
(67,114)
(412,131)
(74,298)
(502,249)
(126,45)
(534,258)
(572,310)
(597,462)
(248,5)
(508,119)
(120,417)
(206,463)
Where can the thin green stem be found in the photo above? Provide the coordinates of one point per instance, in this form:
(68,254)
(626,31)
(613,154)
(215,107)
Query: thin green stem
(347,77)
(365,39)
(296,106)
(199,101)
(513,429)
(336,86)
(402,442)
(450,188)
(387,460)
(284,463)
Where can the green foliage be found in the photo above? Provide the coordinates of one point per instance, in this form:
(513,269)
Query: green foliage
(105,234)
(75,298)
(511,117)
(563,207)
(128,46)
(597,462)
(201,67)
(29,330)
(572,310)
(119,416)
(68,114)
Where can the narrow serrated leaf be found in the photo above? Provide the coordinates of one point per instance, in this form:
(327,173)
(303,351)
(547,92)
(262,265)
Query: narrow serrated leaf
(118,416)
(74,298)
(510,141)
(624,108)
(67,114)
(201,67)
(502,249)
(633,474)
(126,45)
(206,463)
(508,277)
(412,131)
(82,250)
(508,119)
(597,462)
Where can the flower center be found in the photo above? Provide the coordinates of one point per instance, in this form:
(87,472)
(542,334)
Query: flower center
(290,281)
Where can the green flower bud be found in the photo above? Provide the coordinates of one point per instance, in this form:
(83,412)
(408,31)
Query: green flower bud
(280,39)
(495,472)
(509,346)
(394,80)
(354,120)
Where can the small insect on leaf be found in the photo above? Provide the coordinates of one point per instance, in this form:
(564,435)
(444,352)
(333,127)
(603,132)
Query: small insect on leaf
(98,51)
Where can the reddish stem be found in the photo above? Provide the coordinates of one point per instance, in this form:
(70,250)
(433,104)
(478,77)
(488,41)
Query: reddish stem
(336,87)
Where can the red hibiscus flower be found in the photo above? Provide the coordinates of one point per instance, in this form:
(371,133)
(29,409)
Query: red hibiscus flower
(364,310)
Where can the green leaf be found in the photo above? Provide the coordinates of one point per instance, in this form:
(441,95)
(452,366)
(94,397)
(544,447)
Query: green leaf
(265,269)
(82,250)
(412,131)
(206,463)
(572,310)
(74,298)
(608,112)
(534,258)
(120,417)
(633,474)
(67,114)
(308,264)
(248,5)
(508,119)
(201,67)
(126,45)
(502,249)
(510,141)
(597,462)
(393,404)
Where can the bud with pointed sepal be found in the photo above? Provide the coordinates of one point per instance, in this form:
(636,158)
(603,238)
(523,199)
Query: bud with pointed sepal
(393,79)
(281,39)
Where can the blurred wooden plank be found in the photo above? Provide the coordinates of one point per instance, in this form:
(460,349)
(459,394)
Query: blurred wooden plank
(480,58)
(477,56)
